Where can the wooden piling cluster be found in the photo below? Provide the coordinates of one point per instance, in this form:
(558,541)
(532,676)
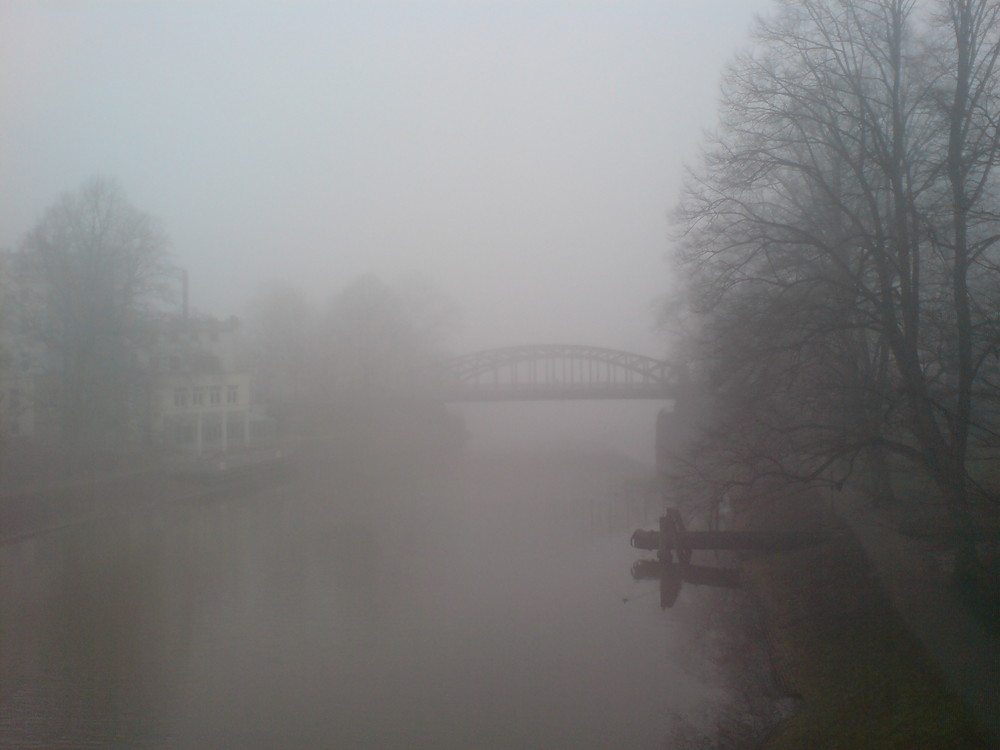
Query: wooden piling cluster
(672,540)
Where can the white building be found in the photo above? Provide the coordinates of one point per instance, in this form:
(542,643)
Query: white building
(202,411)
(200,395)
(187,388)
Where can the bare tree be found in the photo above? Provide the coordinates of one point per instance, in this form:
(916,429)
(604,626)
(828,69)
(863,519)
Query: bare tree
(98,265)
(966,231)
(838,242)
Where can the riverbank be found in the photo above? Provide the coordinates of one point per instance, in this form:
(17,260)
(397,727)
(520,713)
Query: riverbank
(918,578)
(45,506)
(839,643)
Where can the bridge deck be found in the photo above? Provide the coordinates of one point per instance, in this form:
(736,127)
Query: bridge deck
(554,373)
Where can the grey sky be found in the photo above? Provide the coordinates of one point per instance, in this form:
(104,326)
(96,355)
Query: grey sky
(521,155)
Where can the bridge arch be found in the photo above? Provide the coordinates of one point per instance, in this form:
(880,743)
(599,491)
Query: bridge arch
(554,372)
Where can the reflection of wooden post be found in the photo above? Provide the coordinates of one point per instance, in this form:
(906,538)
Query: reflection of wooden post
(672,576)
(670,585)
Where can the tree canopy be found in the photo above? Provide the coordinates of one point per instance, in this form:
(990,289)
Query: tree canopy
(839,243)
(97,264)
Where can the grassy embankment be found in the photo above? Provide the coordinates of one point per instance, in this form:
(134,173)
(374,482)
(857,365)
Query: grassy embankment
(838,643)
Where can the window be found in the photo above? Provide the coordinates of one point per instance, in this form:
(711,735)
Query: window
(197,396)
(180,396)
(215,395)
(232,394)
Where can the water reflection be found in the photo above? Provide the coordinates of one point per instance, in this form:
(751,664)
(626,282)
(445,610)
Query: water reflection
(344,609)
(673,576)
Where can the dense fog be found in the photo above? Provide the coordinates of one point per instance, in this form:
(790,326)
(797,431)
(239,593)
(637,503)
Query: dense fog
(522,158)
(309,207)
(343,346)
(389,592)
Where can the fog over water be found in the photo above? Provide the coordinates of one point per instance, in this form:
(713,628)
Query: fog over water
(482,601)
(618,427)
(345,345)
(458,590)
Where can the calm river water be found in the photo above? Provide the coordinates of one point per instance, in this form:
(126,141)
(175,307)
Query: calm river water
(359,603)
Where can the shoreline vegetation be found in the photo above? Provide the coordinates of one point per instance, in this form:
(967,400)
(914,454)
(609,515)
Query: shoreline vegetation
(815,652)
(864,679)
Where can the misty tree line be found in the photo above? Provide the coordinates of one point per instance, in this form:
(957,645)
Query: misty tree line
(89,283)
(839,249)
(369,342)
(78,296)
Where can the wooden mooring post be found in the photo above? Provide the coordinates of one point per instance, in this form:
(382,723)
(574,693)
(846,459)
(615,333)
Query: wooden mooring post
(672,540)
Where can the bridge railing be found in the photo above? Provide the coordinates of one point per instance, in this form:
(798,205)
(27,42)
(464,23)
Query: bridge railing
(557,372)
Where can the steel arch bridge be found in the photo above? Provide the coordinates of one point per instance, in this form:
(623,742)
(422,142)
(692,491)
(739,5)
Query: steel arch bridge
(554,372)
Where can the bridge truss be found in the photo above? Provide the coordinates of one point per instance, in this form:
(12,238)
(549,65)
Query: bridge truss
(554,372)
